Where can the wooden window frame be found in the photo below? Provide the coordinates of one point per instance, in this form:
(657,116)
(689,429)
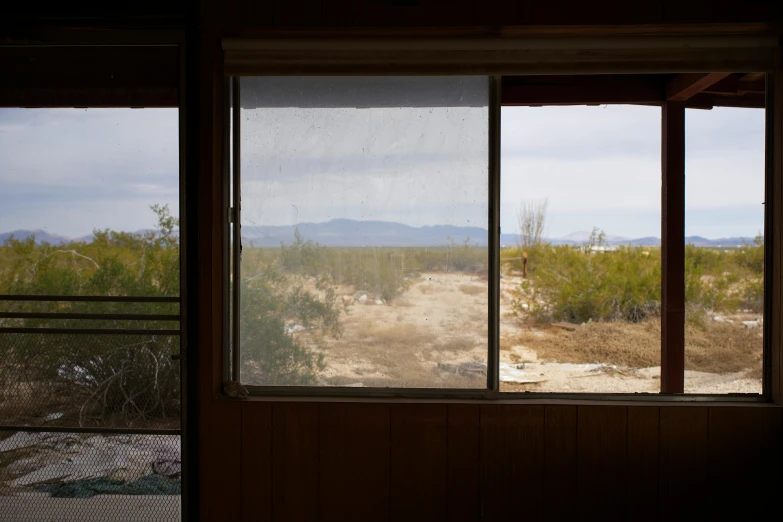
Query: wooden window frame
(273,57)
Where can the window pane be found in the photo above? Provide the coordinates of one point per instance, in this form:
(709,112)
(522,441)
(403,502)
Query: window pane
(724,253)
(580,255)
(364,229)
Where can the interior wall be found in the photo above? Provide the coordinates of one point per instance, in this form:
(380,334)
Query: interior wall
(375,461)
(379,461)
(429,462)
(369,461)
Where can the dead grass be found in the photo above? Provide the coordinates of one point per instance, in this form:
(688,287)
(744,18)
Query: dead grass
(723,348)
(717,348)
(473,289)
(425,288)
(458,344)
(403,334)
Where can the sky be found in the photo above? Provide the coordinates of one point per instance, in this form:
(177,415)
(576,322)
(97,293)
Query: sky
(69,171)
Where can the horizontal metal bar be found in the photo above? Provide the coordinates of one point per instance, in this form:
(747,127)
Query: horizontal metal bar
(113,431)
(88,331)
(91,298)
(107,317)
(483,394)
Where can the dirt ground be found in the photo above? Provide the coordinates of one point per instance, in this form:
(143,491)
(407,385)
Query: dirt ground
(434,335)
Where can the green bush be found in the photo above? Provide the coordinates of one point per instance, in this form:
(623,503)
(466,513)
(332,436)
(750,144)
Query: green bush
(584,283)
(128,377)
(576,285)
(272,304)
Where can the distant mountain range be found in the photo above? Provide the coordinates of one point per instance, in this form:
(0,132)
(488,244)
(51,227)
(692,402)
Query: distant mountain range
(41,236)
(353,233)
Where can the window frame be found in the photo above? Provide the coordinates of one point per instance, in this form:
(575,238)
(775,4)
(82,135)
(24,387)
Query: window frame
(492,392)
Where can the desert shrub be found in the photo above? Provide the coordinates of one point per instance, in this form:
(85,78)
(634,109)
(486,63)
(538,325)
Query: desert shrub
(751,257)
(582,283)
(578,285)
(272,304)
(378,271)
(129,377)
(707,284)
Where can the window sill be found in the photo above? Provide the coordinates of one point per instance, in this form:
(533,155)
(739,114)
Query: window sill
(438,396)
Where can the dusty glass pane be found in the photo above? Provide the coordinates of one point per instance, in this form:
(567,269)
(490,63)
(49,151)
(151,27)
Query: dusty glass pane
(724,253)
(364,231)
(580,254)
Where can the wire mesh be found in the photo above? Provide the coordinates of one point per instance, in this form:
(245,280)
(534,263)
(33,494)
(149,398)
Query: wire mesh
(89,477)
(100,381)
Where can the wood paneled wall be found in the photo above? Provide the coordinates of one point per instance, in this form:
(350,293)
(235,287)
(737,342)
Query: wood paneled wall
(455,462)
(371,461)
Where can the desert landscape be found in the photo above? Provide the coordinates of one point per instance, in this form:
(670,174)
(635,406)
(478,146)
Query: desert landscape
(434,335)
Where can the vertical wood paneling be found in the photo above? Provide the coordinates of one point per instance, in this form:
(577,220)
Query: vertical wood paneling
(512,462)
(220,456)
(256,461)
(560,460)
(354,450)
(220,423)
(601,471)
(419,458)
(683,462)
(295,461)
(642,463)
(744,443)
(464,496)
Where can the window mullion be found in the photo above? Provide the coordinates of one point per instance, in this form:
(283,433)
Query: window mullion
(237,226)
(493,357)
(673,248)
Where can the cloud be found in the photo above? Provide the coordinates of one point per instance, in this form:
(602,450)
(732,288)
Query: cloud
(69,171)
(72,170)
(601,167)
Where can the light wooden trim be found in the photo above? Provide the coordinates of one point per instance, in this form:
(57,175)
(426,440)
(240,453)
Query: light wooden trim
(520,43)
(498,56)
(685,86)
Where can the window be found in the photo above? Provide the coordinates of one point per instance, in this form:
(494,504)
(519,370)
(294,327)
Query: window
(363,255)
(724,253)
(90,402)
(364,243)
(580,253)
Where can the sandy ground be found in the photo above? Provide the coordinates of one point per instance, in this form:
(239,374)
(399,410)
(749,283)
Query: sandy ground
(434,335)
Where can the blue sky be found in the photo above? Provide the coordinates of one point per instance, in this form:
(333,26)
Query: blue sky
(69,171)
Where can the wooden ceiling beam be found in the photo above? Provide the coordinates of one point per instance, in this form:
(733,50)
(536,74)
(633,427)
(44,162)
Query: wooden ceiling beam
(708,101)
(582,90)
(685,86)
(753,77)
(737,84)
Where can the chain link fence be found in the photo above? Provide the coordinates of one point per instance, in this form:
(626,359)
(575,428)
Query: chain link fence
(89,416)
(101,381)
(66,476)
